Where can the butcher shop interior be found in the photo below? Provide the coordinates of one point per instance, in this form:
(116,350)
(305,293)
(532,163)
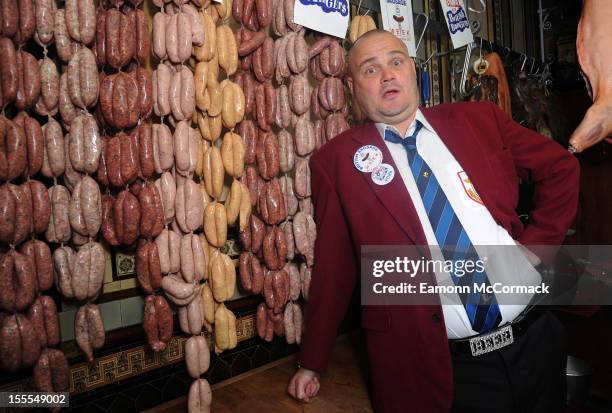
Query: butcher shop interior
(158,226)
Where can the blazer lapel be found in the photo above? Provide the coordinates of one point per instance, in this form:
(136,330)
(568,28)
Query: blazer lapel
(459,137)
(393,196)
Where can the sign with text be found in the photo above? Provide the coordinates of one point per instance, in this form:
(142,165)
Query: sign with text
(457,21)
(397,18)
(325,16)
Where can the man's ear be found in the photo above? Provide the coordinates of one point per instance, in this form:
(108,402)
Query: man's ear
(349,83)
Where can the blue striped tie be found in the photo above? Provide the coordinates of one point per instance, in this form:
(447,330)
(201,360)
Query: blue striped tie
(482,309)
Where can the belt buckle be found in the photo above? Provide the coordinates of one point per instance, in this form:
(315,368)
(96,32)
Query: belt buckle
(492,341)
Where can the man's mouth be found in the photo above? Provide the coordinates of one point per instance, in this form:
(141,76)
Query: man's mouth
(390,93)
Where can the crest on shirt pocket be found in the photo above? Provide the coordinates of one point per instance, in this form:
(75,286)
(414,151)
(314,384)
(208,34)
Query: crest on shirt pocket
(468,187)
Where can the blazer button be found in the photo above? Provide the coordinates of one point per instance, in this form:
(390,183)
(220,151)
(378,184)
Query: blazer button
(436,317)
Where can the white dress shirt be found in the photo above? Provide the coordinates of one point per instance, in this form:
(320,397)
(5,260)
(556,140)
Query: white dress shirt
(473,215)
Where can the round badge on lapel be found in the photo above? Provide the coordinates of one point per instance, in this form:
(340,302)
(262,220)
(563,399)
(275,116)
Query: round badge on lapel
(367,158)
(383,174)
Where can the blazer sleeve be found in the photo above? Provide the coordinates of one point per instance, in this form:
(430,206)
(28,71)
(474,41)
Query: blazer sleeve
(555,174)
(334,273)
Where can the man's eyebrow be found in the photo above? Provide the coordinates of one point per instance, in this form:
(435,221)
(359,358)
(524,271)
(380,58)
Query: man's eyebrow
(390,53)
(368,60)
(398,51)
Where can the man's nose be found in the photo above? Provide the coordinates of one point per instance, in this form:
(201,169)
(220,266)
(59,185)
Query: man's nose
(387,75)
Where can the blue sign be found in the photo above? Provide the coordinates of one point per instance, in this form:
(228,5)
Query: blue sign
(457,20)
(329,6)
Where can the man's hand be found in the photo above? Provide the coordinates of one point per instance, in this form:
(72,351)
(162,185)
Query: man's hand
(304,385)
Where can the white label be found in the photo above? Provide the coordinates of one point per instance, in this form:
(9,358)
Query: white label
(383,174)
(367,158)
(325,16)
(456,17)
(397,19)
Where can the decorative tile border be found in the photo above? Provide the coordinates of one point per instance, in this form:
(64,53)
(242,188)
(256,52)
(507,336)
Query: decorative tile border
(129,363)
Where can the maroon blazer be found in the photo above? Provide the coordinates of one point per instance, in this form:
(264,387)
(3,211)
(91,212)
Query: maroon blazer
(407,346)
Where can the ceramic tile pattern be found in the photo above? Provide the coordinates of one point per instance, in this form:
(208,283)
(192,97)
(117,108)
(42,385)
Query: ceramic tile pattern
(136,378)
(133,372)
(154,387)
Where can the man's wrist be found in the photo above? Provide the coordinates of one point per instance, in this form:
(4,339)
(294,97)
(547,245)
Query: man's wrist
(300,367)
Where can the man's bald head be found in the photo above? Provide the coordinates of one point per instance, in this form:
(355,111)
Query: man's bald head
(382,79)
(367,37)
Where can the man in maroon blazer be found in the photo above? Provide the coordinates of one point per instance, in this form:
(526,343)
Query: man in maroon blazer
(418,360)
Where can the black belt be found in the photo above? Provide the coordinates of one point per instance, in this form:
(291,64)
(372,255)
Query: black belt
(519,327)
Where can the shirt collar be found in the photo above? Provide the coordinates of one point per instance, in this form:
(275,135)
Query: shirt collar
(382,127)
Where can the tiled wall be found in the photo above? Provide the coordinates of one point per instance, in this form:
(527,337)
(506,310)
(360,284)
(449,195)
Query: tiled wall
(134,378)
(119,276)
(161,385)
(116,314)
(157,386)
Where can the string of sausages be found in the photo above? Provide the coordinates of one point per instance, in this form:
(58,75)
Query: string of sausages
(79,274)
(133,212)
(269,244)
(200,277)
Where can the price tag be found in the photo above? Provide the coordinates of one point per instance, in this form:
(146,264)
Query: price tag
(397,19)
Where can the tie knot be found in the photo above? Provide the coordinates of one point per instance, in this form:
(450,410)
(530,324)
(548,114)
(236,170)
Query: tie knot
(410,142)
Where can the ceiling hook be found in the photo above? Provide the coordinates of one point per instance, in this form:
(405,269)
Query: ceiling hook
(424,29)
